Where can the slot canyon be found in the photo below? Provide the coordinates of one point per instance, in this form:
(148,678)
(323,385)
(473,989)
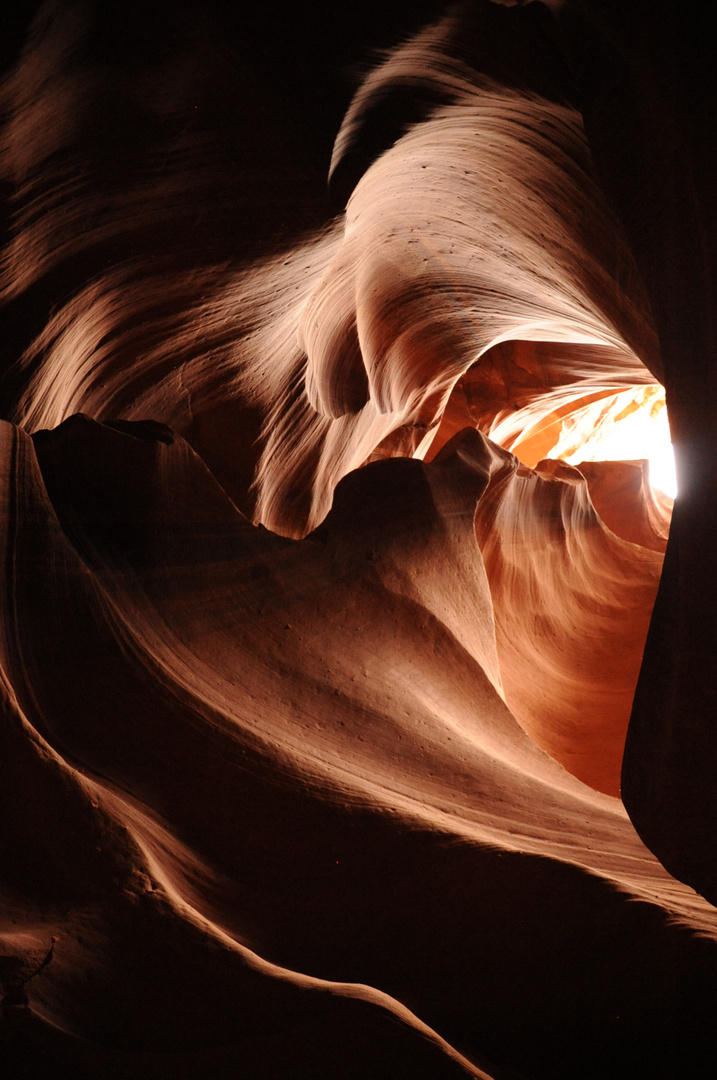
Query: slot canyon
(358,619)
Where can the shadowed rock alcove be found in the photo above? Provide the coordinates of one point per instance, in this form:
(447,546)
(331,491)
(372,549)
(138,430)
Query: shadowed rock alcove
(356,654)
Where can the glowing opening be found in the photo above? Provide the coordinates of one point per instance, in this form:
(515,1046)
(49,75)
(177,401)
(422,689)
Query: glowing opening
(629,425)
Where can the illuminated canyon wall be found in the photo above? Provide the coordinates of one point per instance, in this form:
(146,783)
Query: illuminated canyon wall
(349,728)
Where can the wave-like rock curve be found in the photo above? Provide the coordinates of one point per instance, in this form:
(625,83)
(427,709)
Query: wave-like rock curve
(315,698)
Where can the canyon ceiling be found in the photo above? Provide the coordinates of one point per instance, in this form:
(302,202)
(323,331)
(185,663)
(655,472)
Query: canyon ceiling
(348,729)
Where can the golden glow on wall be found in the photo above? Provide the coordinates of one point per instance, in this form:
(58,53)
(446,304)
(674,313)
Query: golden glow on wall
(629,425)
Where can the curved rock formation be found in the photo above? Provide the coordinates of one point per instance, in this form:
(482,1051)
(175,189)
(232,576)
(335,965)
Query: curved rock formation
(314,696)
(648,104)
(289,766)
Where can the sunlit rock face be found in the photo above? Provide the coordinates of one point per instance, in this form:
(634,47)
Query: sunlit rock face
(572,602)
(318,655)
